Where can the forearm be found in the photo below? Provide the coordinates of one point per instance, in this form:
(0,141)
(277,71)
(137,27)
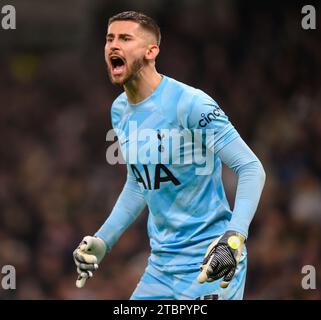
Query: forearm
(251,177)
(129,205)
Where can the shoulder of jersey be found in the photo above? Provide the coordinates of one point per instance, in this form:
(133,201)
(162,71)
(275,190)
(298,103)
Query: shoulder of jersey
(118,107)
(188,92)
(119,103)
(183,87)
(187,97)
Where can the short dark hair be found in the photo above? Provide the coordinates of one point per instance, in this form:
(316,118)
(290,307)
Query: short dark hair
(146,22)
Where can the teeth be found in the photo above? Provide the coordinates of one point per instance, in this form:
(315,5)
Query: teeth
(116,58)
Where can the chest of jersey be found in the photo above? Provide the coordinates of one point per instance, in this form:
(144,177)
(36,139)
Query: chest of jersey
(158,149)
(148,137)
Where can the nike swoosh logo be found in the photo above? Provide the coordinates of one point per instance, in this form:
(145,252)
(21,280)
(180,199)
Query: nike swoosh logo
(124,142)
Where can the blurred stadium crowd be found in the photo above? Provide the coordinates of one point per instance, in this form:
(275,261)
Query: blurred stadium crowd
(55,97)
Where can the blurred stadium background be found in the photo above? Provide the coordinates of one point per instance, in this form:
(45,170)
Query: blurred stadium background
(55,185)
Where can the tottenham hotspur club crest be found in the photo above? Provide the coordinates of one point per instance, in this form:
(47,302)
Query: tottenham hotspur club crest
(160,138)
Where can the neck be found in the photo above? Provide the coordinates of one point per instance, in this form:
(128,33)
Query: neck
(143,85)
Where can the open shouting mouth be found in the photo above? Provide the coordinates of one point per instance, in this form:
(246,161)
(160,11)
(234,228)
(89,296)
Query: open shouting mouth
(117,65)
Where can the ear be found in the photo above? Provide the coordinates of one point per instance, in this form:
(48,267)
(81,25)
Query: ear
(152,52)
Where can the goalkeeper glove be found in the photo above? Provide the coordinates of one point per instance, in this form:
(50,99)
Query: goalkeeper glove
(221,258)
(87,256)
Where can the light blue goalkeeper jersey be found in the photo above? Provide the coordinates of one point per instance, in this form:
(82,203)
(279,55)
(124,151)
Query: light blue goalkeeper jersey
(187,208)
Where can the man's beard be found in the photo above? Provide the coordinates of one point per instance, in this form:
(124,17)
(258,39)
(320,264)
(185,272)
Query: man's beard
(131,74)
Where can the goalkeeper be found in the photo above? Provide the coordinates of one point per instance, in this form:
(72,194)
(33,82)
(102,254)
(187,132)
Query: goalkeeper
(197,242)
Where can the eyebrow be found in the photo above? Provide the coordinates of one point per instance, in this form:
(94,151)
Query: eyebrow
(121,35)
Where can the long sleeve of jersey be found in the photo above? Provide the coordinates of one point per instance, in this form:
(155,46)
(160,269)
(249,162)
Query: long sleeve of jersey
(251,177)
(234,152)
(128,207)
